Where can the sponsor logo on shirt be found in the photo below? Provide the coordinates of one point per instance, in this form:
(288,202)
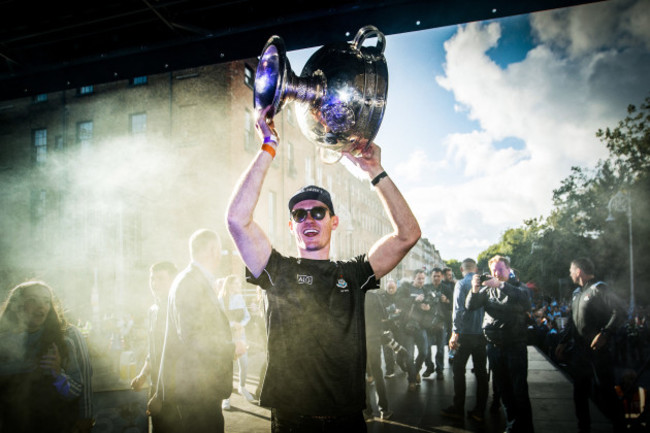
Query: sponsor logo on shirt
(305,279)
(341,283)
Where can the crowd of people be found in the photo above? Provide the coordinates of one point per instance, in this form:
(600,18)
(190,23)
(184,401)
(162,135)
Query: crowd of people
(408,328)
(495,317)
(331,338)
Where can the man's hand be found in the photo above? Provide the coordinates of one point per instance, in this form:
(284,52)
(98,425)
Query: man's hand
(265,124)
(369,160)
(476,283)
(138,382)
(425,307)
(453,341)
(444,299)
(492,282)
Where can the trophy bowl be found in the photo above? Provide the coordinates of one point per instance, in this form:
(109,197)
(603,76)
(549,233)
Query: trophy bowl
(340,95)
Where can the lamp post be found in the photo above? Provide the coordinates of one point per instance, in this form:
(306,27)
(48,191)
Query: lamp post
(621,202)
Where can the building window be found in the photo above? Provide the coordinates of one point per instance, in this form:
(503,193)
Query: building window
(139,81)
(41,97)
(58,142)
(250,143)
(85,134)
(138,123)
(86,90)
(249,76)
(39,139)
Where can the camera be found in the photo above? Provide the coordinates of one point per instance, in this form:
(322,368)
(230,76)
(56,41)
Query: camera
(431,298)
(401,354)
(485,277)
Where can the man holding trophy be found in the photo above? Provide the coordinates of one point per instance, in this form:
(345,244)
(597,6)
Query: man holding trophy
(315,316)
(315,379)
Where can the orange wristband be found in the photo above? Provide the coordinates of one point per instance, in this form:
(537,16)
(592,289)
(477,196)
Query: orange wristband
(270,149)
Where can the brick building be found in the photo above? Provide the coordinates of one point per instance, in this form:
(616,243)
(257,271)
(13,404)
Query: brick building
(101,181)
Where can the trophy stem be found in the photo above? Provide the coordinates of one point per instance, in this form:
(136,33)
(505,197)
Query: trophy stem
(305,89)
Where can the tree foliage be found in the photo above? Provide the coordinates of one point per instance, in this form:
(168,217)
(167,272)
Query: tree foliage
(454,265)
(580,222)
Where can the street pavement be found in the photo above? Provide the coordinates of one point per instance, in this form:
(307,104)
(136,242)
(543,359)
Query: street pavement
(550,394)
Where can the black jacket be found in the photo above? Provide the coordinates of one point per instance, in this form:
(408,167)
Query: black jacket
(594,308)
(197,361)
(506,311)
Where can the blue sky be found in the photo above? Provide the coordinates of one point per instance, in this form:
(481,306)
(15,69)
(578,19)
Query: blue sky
(485,119)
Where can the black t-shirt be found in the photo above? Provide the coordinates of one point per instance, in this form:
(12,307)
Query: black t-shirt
(316,334)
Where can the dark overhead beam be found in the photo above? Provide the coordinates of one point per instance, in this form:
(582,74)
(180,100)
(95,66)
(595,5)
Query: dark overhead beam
(135,38)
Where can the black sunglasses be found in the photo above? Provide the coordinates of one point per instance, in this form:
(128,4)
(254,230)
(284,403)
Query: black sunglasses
(317,213)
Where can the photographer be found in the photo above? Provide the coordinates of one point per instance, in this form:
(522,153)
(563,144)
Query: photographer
(392,313)
(438,298)
(375,325)
(412,333)
(506,305)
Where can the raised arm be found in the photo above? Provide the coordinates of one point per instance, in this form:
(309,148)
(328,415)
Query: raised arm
(388,251)
(251,241)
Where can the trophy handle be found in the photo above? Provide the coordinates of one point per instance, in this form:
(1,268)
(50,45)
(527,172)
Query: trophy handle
(369,31)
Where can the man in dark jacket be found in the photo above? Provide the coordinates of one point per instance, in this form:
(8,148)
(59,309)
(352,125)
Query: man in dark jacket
(506,304)
(390,299)
(375,314)
(596,313)
(439,297)
(196,368)
(413,334)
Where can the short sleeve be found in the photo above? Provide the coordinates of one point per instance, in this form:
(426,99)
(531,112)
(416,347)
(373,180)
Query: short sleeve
(362,271)
(265,280)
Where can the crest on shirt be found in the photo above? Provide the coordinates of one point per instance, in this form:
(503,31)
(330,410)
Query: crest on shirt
(341,283)
(305,279)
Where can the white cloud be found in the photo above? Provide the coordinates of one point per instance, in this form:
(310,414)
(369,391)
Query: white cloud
(589,63)
(581,31)
(418,166)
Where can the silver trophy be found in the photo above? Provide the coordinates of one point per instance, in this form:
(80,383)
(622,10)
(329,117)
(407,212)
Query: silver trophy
(340,95)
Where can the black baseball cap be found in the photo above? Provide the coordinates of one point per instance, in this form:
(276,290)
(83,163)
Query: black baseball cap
(312,192)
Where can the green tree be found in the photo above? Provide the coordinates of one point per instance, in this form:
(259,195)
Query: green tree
(542,249)
(455,268)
